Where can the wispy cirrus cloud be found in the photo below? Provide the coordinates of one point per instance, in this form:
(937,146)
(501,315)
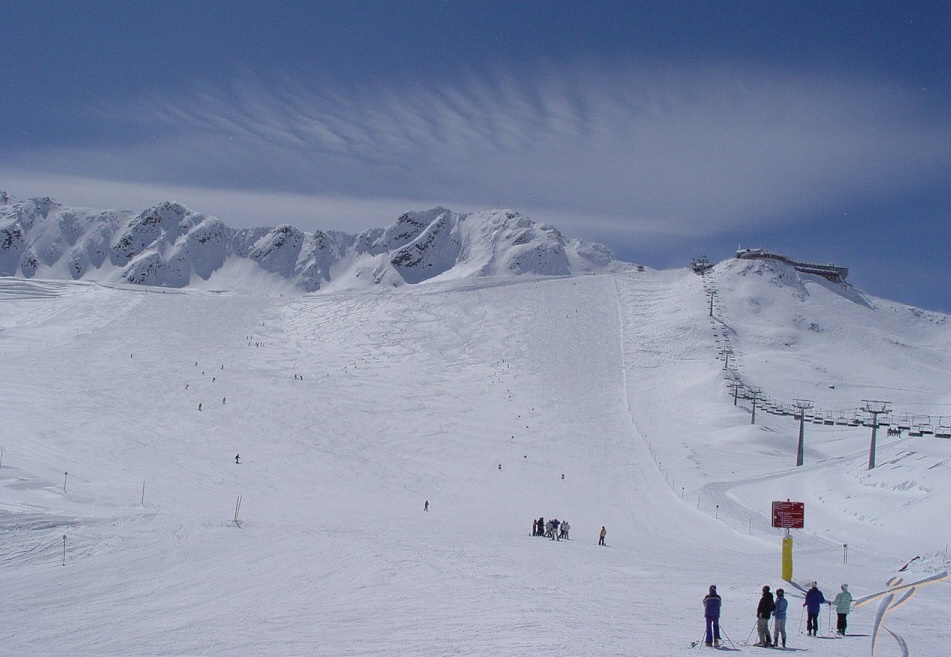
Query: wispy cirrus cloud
(662,152)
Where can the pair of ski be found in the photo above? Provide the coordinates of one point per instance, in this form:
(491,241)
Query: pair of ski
(694,644)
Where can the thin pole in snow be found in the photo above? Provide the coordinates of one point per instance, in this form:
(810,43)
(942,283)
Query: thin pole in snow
(64,549)
(143,493)
(65,475)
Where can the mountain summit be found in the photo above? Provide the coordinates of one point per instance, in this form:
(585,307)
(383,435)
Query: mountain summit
(172,246)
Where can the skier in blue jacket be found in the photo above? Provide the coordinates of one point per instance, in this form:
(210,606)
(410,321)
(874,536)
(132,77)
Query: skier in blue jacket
(779,618)
(711,611)
(813,604)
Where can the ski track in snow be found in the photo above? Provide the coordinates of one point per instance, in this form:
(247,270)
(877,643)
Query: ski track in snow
(351,409)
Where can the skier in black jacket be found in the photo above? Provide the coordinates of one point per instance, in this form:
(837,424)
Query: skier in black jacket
(763,611)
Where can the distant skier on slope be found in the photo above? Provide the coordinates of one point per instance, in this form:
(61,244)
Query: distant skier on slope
(711,612)
(813,604)
(604,532)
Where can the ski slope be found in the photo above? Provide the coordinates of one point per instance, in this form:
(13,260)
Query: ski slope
(600,400)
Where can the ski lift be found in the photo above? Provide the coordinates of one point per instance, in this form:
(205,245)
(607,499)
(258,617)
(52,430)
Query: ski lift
(943,430)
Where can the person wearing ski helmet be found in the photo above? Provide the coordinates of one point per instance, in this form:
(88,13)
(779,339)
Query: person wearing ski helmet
(711,611)
(763,611)
(813,603)
(779,618)
(843,604)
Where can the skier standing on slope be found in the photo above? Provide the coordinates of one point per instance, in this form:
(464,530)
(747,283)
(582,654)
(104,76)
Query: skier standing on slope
(604,532)
(813,603)
(763,611)
(843,604)
(711,611)
(779,618)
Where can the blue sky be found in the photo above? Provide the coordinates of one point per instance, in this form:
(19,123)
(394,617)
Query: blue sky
(661,129)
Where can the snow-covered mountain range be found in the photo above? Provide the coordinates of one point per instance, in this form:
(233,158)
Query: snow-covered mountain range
(172,246)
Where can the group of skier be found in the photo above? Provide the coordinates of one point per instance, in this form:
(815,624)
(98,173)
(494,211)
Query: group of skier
(554,529)
(776,608)
(813,604)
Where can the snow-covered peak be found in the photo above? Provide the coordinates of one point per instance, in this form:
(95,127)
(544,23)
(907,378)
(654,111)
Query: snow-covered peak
(173,246)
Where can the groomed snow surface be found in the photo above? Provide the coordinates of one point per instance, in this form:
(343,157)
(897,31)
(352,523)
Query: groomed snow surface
(600,400)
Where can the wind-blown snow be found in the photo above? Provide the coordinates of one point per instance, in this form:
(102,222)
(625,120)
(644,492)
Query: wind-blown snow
(603,399)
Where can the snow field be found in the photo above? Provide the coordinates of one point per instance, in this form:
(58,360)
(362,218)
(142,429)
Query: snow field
(350,409)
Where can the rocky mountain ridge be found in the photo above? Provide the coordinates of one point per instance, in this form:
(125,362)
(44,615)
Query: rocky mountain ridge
(170,245)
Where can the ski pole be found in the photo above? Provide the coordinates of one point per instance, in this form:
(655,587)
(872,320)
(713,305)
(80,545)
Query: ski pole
(727,637)
(800,619)
(750,635)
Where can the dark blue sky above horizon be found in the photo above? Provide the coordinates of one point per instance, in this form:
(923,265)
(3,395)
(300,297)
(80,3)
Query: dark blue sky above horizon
(661,129)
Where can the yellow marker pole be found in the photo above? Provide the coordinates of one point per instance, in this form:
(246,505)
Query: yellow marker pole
(787,557)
